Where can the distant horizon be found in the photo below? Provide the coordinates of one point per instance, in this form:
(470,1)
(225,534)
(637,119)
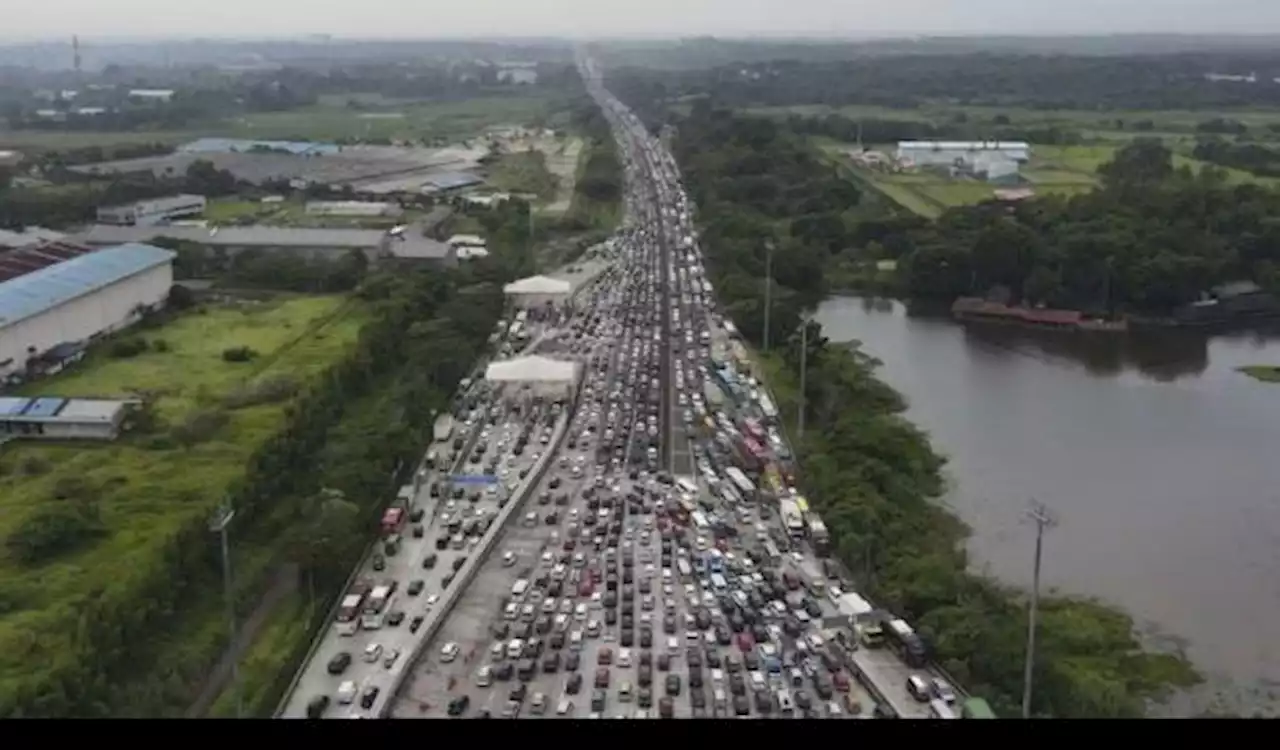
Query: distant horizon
(815,36)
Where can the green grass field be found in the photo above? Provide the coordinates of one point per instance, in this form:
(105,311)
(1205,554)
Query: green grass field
(146,490)
(44,140)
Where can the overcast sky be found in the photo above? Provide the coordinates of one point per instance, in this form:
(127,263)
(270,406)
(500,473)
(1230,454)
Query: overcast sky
(441,18)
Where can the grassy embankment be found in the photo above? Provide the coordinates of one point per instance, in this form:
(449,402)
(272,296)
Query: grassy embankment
(145,487)
(1263,373)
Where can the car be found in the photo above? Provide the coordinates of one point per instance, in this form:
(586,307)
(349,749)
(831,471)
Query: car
(390,657)
(673,684)
(395,617)
(459,705)
(379,563)
(666,707)
(429,561)
(372,652)
(339,663)
(602,677)
(449,652)
(574,684)
(368,697)
(416,623)
(317,706)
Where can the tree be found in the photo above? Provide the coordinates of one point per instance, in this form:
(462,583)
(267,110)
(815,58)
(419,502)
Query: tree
(327,524)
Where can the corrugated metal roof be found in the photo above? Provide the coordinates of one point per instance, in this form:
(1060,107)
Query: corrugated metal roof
(46,288)
(20,262)
(229,145)
(451,180)
(106,234)
(45,406)
(28,236)
(13,405)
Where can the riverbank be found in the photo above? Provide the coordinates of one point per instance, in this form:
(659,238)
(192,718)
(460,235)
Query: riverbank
(877,481)
(1263,373)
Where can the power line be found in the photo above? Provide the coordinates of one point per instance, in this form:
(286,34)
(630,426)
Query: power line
(1044,521)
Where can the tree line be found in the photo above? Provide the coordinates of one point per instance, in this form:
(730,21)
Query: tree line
(871,474)
(1097,83)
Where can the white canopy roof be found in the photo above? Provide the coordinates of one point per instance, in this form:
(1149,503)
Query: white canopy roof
(538,285)
(542,369)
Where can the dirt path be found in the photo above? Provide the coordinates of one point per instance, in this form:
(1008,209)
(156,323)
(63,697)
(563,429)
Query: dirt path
(283,583)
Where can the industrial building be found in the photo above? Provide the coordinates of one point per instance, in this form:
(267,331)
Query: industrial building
(450,181)
(353,208)
(32,257)
(79,299)
(151,212)
(56,418)
(321,243)
(538,291)
(949,153)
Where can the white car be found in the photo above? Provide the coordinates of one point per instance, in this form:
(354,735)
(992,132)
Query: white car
(372,652)
(449,652)
(508,559)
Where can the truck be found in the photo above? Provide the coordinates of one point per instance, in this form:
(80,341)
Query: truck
(818,535)
(443,428)
(792,519)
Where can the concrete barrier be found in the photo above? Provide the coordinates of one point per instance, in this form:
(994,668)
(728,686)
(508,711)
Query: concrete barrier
(474,562)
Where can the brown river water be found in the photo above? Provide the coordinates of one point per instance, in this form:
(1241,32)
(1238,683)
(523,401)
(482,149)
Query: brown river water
(1160,461)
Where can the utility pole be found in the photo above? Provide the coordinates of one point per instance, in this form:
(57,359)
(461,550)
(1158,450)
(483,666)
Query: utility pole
(1044,521)
(219,524)
(768,289)
(804,369)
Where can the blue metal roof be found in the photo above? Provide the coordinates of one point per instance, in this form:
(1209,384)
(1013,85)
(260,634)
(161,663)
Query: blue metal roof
(451,180)
(49,287)
(11,406)
(231,145)
(45,406)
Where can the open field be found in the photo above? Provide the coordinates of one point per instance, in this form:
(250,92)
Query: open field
(45,140)
(1053,170)
(143,487)
(293,213)
(407,120)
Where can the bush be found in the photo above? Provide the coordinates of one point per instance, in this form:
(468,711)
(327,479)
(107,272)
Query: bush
(267,391)
(238,354)
(34,466)
(54,530)
(160,345)
(199,426)
(180,297)
(127,348)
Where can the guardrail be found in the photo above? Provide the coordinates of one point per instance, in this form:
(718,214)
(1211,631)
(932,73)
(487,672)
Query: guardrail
(476,560)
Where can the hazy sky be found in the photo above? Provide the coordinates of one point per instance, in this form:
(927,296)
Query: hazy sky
(440,18)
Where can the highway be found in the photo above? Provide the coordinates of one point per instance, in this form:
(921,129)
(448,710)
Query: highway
(639,560)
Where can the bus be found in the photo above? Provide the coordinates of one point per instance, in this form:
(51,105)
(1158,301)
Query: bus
(977,708)
(905,640)
(740,481)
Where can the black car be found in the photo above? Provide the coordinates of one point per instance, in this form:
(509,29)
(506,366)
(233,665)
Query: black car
(338,664)
(572,661)
(503,671)
(741,706)
(458,562)
(429,561)
(574,684)
(415,623)
(369,695)
(673,684)
(416,586)
(395,618)
(764,704)
(317,706)
(458,706)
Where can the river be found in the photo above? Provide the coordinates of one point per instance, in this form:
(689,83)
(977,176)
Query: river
(1159,459)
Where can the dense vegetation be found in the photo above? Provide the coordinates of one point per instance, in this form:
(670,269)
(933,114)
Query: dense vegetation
(1022,80)
(1151,239)
(871,474)
(1261,160)
(314,492)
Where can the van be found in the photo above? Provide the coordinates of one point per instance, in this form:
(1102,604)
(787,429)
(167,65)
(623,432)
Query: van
(511,611)
(785,706)
(457,542)
(519,587)
(918,688)
(939,709)
(515,648)
(346,693)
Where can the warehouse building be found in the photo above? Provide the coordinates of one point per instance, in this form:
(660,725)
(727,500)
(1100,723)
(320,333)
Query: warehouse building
(152,212)
(448,182)
(313,243)
(242,146)
(352,208)
(78,300)
(952,153)
(56,418)
(33,257)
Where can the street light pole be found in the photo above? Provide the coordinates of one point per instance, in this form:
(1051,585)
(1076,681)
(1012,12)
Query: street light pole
(768,289)
(1040,516)
(220,524)
(804,371)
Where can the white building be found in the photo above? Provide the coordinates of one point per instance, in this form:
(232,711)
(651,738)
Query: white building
(151,95)
(950,153)
(151,212)
(536,291)
(79,299)
(56,418)
(353,208)
(543,374)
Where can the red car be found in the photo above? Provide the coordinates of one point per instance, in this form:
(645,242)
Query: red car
(745,642)
(841,681)
(586,587)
